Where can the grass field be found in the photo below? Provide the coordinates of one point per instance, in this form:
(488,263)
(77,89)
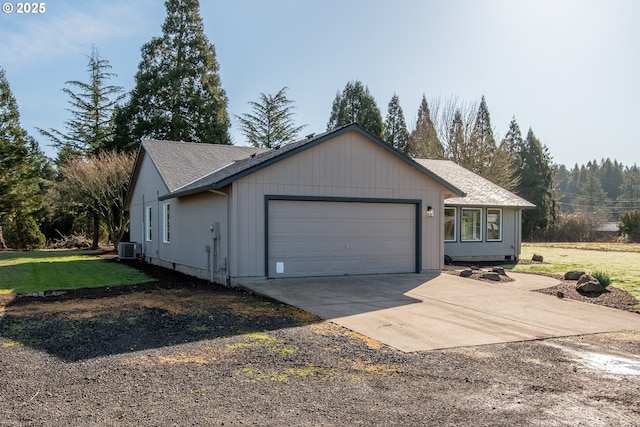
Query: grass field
(38,271)
(620,260)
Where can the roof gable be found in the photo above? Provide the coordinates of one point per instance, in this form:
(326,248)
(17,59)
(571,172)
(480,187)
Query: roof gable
(181,163)
(218,178)
(480,191)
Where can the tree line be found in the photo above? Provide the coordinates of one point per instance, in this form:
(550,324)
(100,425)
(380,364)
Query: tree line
(178,96)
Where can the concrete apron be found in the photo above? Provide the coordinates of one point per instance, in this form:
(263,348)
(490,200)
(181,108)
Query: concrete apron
(417,312)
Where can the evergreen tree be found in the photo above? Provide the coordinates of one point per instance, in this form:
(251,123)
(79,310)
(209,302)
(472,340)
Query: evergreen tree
(562,180)
(512,141)
(629,198)
(482,143)
(395,129)
(90,129)
(611,178)
(20,191)
(356,105)
(506,162)
(178,93)
(536,185)
(456,145)
(477,151)
(592,198)
(424,141)
(271,122)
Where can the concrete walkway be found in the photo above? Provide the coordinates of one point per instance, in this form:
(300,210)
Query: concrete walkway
(417,312)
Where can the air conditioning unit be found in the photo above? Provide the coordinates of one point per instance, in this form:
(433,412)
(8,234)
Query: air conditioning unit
(128,250)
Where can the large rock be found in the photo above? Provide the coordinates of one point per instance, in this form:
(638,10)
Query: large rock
(491,276)
(588,283)
(573,275)
(537,258)
(467,272)
(499,270)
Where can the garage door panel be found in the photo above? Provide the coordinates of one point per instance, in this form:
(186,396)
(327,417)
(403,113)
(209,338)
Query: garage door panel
(312,238)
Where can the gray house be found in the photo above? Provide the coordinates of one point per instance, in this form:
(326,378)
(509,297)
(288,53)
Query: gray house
(343,202)
(486,224)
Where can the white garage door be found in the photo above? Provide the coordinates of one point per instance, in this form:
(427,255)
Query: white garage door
(321,238)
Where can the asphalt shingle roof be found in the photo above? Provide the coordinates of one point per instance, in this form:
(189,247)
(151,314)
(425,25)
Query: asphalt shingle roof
(181,163)
(480,191)
(220,175)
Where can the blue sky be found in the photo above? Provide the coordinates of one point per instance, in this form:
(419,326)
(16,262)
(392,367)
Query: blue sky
(567,68)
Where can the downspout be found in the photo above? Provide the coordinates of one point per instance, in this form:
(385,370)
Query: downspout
(143,241)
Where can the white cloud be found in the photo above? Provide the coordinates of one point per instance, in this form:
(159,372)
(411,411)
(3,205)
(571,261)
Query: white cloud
(62,29)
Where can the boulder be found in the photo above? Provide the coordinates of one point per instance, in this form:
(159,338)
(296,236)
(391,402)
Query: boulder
(573,275)
(467,272)
(474,268)
(499,270)
(537,258)
(588,283)
(491,276)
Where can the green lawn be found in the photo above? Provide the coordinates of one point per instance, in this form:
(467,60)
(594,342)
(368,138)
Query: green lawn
(620,261)
(38,271)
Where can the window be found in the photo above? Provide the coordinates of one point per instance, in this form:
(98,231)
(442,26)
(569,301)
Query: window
(149,228)
(449,224)
(166,221)
(471,230)
(494,224)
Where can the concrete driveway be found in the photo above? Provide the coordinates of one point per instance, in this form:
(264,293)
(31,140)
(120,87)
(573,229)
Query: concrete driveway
(417,312)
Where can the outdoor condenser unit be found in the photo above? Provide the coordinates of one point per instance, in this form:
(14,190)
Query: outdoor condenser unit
(128,250)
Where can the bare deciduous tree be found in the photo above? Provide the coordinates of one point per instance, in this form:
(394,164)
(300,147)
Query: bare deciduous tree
(98,184)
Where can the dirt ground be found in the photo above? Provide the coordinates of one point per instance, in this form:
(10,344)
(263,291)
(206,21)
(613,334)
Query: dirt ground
(185,353)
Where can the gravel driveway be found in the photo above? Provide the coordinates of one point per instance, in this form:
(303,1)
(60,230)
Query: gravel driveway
(181,352)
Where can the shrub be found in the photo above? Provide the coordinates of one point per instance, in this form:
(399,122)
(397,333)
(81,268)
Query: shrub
(629,224)
(602,277)
(23,233)
(574,227)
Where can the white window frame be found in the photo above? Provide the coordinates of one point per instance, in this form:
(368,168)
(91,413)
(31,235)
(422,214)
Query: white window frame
(148,224)
(462,225)
(166,223)
(455,223)
(499,210)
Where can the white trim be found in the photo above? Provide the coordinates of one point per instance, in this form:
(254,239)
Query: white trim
(166,222)
(475,239)
(499,239)
(148,224)
(455,224)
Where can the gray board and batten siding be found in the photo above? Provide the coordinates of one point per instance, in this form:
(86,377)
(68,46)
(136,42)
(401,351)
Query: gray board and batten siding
(489,201)
(246,193)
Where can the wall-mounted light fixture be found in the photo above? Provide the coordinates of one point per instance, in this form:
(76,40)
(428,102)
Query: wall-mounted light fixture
(430,212)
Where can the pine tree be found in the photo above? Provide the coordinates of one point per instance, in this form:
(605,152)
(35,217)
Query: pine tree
(456,145)
(395,129)
(178,93)
(562,180)
(90,129)
(424,141)
(482,143)
(271,122)
(592,198)
(629,198)
(536,186)
(611,174)
(356,105)
(20,191)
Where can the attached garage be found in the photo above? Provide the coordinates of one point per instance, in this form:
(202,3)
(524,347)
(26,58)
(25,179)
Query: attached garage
(333,236)
(340,203)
